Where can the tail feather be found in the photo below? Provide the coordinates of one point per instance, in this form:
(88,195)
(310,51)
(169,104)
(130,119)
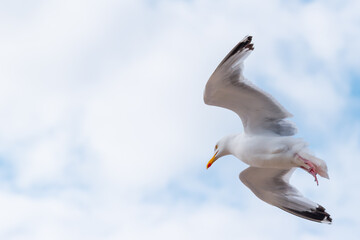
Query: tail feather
(320,164)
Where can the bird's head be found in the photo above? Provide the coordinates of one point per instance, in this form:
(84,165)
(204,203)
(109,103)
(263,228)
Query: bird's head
(221,149)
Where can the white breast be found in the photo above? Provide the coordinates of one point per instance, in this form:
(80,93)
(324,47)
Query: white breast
(267,151)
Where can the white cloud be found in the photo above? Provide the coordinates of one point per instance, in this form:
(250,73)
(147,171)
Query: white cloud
(106,135)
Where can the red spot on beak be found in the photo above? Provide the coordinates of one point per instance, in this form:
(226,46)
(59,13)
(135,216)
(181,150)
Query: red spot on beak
(212,160)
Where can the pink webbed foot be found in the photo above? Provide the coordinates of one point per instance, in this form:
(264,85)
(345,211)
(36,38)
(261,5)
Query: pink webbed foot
(311,168)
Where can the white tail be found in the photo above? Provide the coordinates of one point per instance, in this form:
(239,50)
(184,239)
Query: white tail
(320,164)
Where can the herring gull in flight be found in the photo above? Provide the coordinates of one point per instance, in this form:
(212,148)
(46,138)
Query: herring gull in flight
(267,144)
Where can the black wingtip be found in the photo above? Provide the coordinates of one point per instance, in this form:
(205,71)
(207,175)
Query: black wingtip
(326,217)
(248,43)
(317,215)
(245,43)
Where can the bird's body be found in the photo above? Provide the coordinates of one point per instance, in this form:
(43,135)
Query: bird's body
(267,144)
(266,151)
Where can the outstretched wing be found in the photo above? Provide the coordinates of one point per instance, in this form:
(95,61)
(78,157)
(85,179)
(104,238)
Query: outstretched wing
(272,186)
(260,112)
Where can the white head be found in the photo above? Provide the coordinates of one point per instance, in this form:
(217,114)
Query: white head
(221,149)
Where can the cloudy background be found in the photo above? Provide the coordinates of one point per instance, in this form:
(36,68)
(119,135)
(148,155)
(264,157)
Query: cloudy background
(104,133)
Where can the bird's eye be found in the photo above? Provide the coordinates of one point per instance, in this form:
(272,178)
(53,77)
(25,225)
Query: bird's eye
(216,147)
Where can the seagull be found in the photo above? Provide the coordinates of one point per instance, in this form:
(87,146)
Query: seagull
(267,144)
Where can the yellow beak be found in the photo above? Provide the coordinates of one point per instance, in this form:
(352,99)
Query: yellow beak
(212,160)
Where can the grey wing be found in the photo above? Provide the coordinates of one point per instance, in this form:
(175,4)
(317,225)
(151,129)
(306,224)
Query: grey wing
(272,186)
(259,111)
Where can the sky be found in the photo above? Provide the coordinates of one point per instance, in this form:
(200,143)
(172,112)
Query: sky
(104,133)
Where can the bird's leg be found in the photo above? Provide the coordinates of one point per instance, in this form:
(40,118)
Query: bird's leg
(310,169)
